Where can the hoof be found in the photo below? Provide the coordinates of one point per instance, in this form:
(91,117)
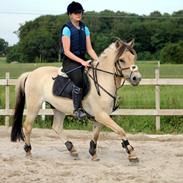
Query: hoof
(76,158)
(94,158)
(132,156)
(28,154)
(133,159)
(74,153)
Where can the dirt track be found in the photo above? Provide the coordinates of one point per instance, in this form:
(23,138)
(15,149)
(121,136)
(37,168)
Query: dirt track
(161,159)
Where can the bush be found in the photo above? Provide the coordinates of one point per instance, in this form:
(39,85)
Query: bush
(3,47)
(146,55)
(13,54)
(172,53)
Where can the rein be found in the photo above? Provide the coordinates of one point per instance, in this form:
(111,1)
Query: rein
(99,86)
(108,72)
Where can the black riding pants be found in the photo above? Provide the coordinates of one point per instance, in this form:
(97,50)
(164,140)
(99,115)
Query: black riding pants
(75,71)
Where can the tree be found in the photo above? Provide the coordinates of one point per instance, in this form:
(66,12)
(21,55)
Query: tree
(38,46)
(155,14)
(39,39)
(3,47)
(13,53)
(172,53)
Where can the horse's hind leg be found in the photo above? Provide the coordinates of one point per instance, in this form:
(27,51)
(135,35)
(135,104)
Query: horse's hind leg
(32,111)
(58,128)
(93,143)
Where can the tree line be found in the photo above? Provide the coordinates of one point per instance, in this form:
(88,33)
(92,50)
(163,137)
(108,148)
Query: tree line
(157,36)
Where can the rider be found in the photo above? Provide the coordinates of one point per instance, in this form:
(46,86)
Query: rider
(75,42)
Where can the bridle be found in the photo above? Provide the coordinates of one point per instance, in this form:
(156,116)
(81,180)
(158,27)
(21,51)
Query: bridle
(117,73)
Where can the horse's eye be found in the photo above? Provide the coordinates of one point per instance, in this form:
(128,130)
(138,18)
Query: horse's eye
(121,60)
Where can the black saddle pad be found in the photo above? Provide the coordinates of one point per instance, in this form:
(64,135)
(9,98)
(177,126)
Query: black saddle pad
(63,86)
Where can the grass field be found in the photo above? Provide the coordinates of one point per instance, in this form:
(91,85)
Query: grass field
(130,97)
(147,69)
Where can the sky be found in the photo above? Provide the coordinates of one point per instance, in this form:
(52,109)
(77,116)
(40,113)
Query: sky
(14,13)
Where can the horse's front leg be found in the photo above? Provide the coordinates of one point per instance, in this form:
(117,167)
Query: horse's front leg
(106,120)
(93,143)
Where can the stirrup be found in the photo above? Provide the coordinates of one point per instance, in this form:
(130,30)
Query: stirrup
(79,113)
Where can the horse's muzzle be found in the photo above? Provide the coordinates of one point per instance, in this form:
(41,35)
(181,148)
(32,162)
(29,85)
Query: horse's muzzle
(135,78)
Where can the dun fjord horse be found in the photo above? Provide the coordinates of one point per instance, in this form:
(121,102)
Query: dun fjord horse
(115,64)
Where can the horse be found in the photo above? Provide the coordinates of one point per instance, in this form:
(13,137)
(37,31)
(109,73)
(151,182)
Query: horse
(115,65)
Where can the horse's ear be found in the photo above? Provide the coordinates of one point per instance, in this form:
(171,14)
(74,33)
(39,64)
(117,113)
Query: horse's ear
(131,43)
(118,43)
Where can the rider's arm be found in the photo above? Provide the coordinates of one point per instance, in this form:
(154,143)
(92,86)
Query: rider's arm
(89,47)
(90,50)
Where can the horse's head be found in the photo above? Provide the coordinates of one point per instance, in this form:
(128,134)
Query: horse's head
(125,62)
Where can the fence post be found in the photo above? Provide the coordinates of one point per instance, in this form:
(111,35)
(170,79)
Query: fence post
(157,96)
(7,98)
(43,107)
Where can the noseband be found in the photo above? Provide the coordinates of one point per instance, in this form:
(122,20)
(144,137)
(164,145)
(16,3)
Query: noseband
(119,69)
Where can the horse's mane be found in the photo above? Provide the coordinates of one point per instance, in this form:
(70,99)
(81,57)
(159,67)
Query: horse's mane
(120,49)
(107,50)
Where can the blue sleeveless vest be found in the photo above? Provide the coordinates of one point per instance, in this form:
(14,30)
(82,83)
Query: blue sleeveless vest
(78,39)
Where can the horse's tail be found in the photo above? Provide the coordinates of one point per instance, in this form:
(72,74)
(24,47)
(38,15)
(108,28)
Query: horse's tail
(16,132)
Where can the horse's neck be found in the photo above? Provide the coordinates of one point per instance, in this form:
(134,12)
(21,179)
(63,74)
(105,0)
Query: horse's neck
(106,63)
(107,59)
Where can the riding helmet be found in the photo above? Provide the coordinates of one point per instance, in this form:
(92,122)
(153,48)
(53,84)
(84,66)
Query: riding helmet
(74,7)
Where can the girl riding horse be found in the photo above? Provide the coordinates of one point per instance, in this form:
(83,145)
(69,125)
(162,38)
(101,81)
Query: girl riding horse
(115,64)
(75,42)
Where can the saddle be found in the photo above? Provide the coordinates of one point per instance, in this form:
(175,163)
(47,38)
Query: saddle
(63,86)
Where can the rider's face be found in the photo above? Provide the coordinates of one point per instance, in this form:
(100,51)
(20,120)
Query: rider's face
(77,16)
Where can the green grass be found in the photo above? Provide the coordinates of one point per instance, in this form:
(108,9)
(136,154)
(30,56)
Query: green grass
(2,60)
(141,97)
(16,69)
(147,68)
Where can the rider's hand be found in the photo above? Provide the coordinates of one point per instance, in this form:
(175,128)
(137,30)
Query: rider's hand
(85,64)
(95,62)
(89,61)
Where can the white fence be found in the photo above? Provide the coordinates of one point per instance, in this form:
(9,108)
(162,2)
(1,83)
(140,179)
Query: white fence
(157,82)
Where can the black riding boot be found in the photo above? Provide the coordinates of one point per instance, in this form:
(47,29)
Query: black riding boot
(77,98)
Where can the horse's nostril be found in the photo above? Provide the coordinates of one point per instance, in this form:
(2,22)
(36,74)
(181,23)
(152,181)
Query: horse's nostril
(134,78)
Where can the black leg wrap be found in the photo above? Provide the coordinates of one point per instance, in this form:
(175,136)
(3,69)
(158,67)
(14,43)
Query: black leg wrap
(93,147)
(69,145)
(27,148)
(125,143)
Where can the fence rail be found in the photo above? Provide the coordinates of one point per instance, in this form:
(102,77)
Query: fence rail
(157,82)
